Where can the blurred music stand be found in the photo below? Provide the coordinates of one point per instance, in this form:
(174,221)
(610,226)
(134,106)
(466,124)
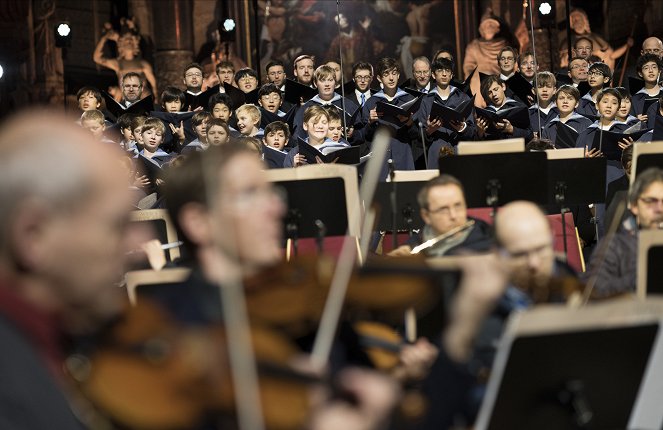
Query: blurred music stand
(324,192)
(492,180)
(650,255)
(564,368)
(646,155)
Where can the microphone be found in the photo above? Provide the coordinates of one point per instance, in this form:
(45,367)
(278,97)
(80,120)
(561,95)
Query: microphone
(392,169)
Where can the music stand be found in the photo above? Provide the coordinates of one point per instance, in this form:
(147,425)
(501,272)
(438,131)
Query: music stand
(152,278)
(650,270)
(646,155)
(564,368)
(162,227)
(407,207)
(575,181)
(324,192)
(492,180)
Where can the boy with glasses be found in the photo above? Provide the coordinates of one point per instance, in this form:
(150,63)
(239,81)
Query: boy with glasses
(598,77)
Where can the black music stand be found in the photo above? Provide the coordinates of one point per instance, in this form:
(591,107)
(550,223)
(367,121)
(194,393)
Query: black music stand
(408,216)
(575,181)
(654,270)
(646,161)
(313,200)
(583,379)
(492,180)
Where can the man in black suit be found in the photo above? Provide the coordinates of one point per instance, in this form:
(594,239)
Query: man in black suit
(62,249)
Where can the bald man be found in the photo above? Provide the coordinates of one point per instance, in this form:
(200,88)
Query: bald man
(525,243)
(652,45)
(64,208)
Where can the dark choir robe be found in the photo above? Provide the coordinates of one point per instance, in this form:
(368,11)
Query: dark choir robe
(577,122)
(399,150)
(587,106)
(525,133)
(651,115)
(298,130)
(630,121)
(535,113)
(638,101)
(152,167)
(444,136)
(613,169)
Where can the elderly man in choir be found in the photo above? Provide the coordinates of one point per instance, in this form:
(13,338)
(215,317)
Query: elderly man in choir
(444,211)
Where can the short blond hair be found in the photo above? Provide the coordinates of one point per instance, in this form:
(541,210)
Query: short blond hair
(324,72)
(251,110)
(93,115)
(315,113)
(153,124)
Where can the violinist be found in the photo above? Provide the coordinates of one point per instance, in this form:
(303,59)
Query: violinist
(443,209)
(62,248)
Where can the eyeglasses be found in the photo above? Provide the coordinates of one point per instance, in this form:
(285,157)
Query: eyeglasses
(579,66)
(649,68)
(507,59)
(363,78)
(528,63)
(446,210)
(595,73)
(194,74)
(651,201)
(422,73)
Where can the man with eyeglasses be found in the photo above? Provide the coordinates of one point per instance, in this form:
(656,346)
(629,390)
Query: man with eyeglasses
(359,90)
(616,273)
(652,45)
(578,70)
(193,79)
(507,59)
(132,88)
(422,75)
(528,67)
(443,209)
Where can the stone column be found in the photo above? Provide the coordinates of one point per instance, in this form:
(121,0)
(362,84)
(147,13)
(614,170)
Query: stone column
(172,24)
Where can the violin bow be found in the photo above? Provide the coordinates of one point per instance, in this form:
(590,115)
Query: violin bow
(242,360)
(331,313)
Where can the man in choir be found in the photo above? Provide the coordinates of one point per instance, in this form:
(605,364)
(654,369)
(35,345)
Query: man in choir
(193,78)
(507,60)
(422,75)
(527,66)
(303,69)
(362,77)
(444,211)
(63,246)
(276,73)
(132,88)
(578,70)
(225,71)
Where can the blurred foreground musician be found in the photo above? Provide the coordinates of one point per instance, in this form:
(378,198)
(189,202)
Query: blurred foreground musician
(448,228)
(64,212)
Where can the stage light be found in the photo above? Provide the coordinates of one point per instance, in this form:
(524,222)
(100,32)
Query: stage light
(545,8)
(227,30)
(228,25)
(2,72)
(62,35)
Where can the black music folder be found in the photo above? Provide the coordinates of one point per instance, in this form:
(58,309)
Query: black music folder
(273,157)
(141,107)
(447,114)
(566,136)
(348,155)
(239,97)
(521,88)
(389,112)
(192,102)
(518,116)
(608,142)
(297,93)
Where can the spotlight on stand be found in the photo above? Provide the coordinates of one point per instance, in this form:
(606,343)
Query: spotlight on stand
(62,35)
(2,72)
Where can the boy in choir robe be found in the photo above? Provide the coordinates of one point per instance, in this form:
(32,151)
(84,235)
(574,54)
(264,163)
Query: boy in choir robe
(89,98)
(221,106)
(316,125)
(335,131)
(271,99)
(493,90)
(172,100)
(598,77)
(218,132)
(566,101)
(94,122)
(136,128)
(388,72)
(199,122)
(127,139)
(648,67)
(544,109)
(246,80)
(276,135)
(624,112)
(152,157)
(324,80)
(440,135)
(248,121)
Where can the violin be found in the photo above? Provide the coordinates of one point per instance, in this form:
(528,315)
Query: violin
(149,373)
